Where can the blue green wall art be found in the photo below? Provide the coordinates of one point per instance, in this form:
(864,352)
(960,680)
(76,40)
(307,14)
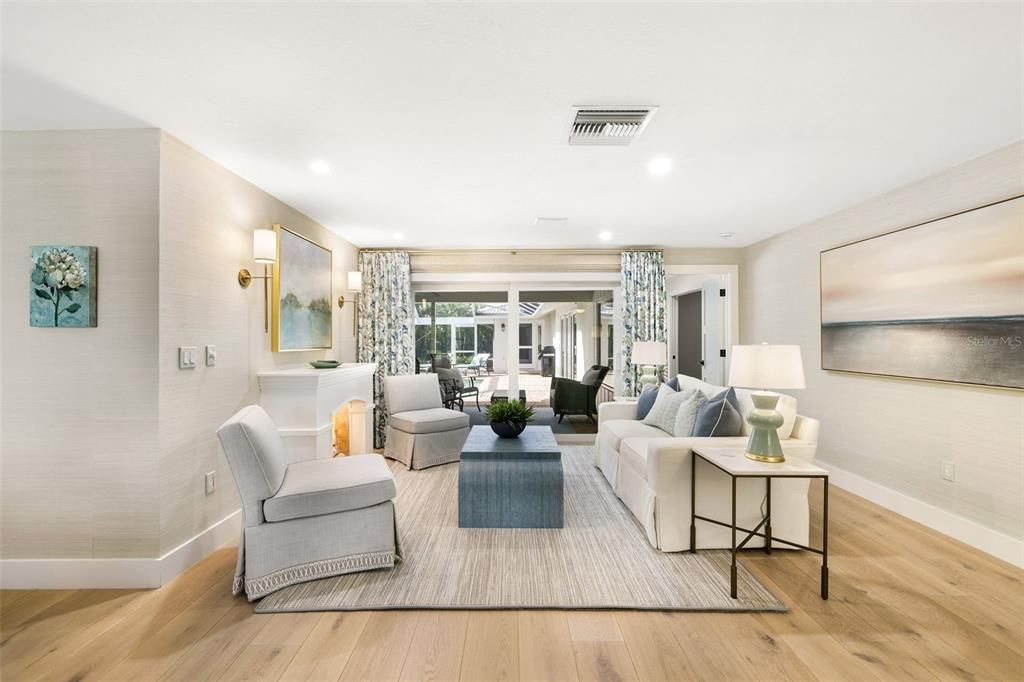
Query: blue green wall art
(302,294)
(62,290)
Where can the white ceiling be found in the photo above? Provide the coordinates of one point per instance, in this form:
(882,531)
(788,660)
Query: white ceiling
(448,123)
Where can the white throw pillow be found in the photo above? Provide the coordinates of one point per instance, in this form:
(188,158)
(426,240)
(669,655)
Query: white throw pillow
(686,415)
(666,408)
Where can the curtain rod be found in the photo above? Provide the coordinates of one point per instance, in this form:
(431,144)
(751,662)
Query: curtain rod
(512,252)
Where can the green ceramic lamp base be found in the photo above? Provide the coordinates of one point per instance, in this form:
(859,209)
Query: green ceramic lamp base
(765,420)
(648,376)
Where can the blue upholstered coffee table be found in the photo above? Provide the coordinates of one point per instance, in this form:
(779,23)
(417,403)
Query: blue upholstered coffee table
(511,482)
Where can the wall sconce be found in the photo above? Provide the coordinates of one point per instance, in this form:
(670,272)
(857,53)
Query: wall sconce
(264,250)
(355,285)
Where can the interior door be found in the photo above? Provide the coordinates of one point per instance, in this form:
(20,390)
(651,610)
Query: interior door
(689,335)
(714,325)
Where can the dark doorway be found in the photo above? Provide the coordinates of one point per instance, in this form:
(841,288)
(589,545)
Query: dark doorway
(689,335)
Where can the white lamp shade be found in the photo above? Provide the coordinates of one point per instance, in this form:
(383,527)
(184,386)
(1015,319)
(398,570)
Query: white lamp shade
(650,353)
(766,366)
(264,246)
(355,281)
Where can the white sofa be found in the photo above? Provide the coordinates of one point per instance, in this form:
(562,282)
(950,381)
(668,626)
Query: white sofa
(650,472)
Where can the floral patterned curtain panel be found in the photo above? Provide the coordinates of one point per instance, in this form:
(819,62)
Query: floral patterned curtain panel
(385,324)
(643,308)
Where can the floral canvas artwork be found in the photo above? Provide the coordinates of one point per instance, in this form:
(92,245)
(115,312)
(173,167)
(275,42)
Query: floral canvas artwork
(62,290)
(302,294)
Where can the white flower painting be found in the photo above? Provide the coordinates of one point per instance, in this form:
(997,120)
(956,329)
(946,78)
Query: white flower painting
(63,286)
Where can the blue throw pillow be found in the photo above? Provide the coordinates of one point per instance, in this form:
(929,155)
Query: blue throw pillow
(673,383)
(719,416)
(646,401)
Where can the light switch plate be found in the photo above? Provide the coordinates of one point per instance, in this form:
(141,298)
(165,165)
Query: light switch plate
(187,357)
(211,482)
(211,356)
(948,471)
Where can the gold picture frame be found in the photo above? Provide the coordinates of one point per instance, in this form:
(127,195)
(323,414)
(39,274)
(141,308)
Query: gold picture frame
(298,324)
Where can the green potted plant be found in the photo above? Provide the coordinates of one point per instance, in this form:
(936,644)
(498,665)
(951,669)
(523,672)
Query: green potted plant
(509,418)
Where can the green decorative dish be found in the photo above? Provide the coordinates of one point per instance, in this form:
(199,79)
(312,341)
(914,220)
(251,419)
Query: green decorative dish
(324,364)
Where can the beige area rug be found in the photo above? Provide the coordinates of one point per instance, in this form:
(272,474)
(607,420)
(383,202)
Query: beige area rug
(600,560)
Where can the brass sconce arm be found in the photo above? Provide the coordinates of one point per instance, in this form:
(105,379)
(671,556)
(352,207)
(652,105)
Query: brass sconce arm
(245,278)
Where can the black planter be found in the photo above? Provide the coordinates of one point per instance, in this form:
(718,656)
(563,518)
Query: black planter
(506,430)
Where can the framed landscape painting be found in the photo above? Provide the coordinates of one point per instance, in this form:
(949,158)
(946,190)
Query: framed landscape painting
(62,286)
(942,301)
(302,294)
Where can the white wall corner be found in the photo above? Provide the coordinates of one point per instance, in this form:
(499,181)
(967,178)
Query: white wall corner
(190,552)
(69,574)
(969,532)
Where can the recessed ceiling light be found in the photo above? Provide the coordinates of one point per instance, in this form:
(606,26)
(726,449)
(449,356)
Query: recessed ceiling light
(726,235)
(604,235)
(399,236)
(660,165)
(320,167)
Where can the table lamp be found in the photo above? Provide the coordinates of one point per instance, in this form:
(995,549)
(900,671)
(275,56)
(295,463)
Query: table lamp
(649,355)
(760,368)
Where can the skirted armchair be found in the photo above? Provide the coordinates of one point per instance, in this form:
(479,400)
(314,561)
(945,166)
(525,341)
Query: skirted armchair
(569,396)
(421,432)
(305,520)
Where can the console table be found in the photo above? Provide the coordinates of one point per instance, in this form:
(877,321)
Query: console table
(733,462)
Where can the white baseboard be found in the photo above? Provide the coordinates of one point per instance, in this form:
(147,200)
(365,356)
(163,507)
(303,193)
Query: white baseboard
(969,532)
(195,548)
(67,574)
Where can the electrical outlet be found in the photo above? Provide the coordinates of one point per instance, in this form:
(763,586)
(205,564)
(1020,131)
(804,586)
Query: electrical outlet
(948,471)
(211,482)
(211,356)
(187,357)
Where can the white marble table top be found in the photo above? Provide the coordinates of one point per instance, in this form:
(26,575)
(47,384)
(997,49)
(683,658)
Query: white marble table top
(733,461)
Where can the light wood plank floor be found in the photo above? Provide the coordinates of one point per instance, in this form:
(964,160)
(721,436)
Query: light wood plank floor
(907,603)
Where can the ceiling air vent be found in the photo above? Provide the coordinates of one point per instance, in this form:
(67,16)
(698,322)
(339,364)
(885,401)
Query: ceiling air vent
(608,125)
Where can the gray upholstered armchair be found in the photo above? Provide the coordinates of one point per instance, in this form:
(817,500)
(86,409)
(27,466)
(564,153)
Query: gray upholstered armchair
(422,432)
(569,396)
(305,520)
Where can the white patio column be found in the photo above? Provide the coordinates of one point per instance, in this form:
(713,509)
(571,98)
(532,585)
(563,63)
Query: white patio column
(512,339)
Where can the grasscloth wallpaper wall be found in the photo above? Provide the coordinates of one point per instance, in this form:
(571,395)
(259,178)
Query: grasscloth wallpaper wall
(105,442)
(79,437)
(891,431)
(207,215)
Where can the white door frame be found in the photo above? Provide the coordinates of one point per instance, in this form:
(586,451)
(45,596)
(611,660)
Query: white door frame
(731,278)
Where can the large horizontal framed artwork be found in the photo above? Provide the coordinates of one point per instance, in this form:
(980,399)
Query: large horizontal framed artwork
(943,300)
(62,286)
(302,294)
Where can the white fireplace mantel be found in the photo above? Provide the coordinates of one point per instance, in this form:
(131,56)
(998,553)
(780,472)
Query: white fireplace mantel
(302,402)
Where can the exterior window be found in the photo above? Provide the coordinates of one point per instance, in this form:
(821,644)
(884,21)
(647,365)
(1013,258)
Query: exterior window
(526,344)
(465,344)
(485,338)
(424,336)
(444,340)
